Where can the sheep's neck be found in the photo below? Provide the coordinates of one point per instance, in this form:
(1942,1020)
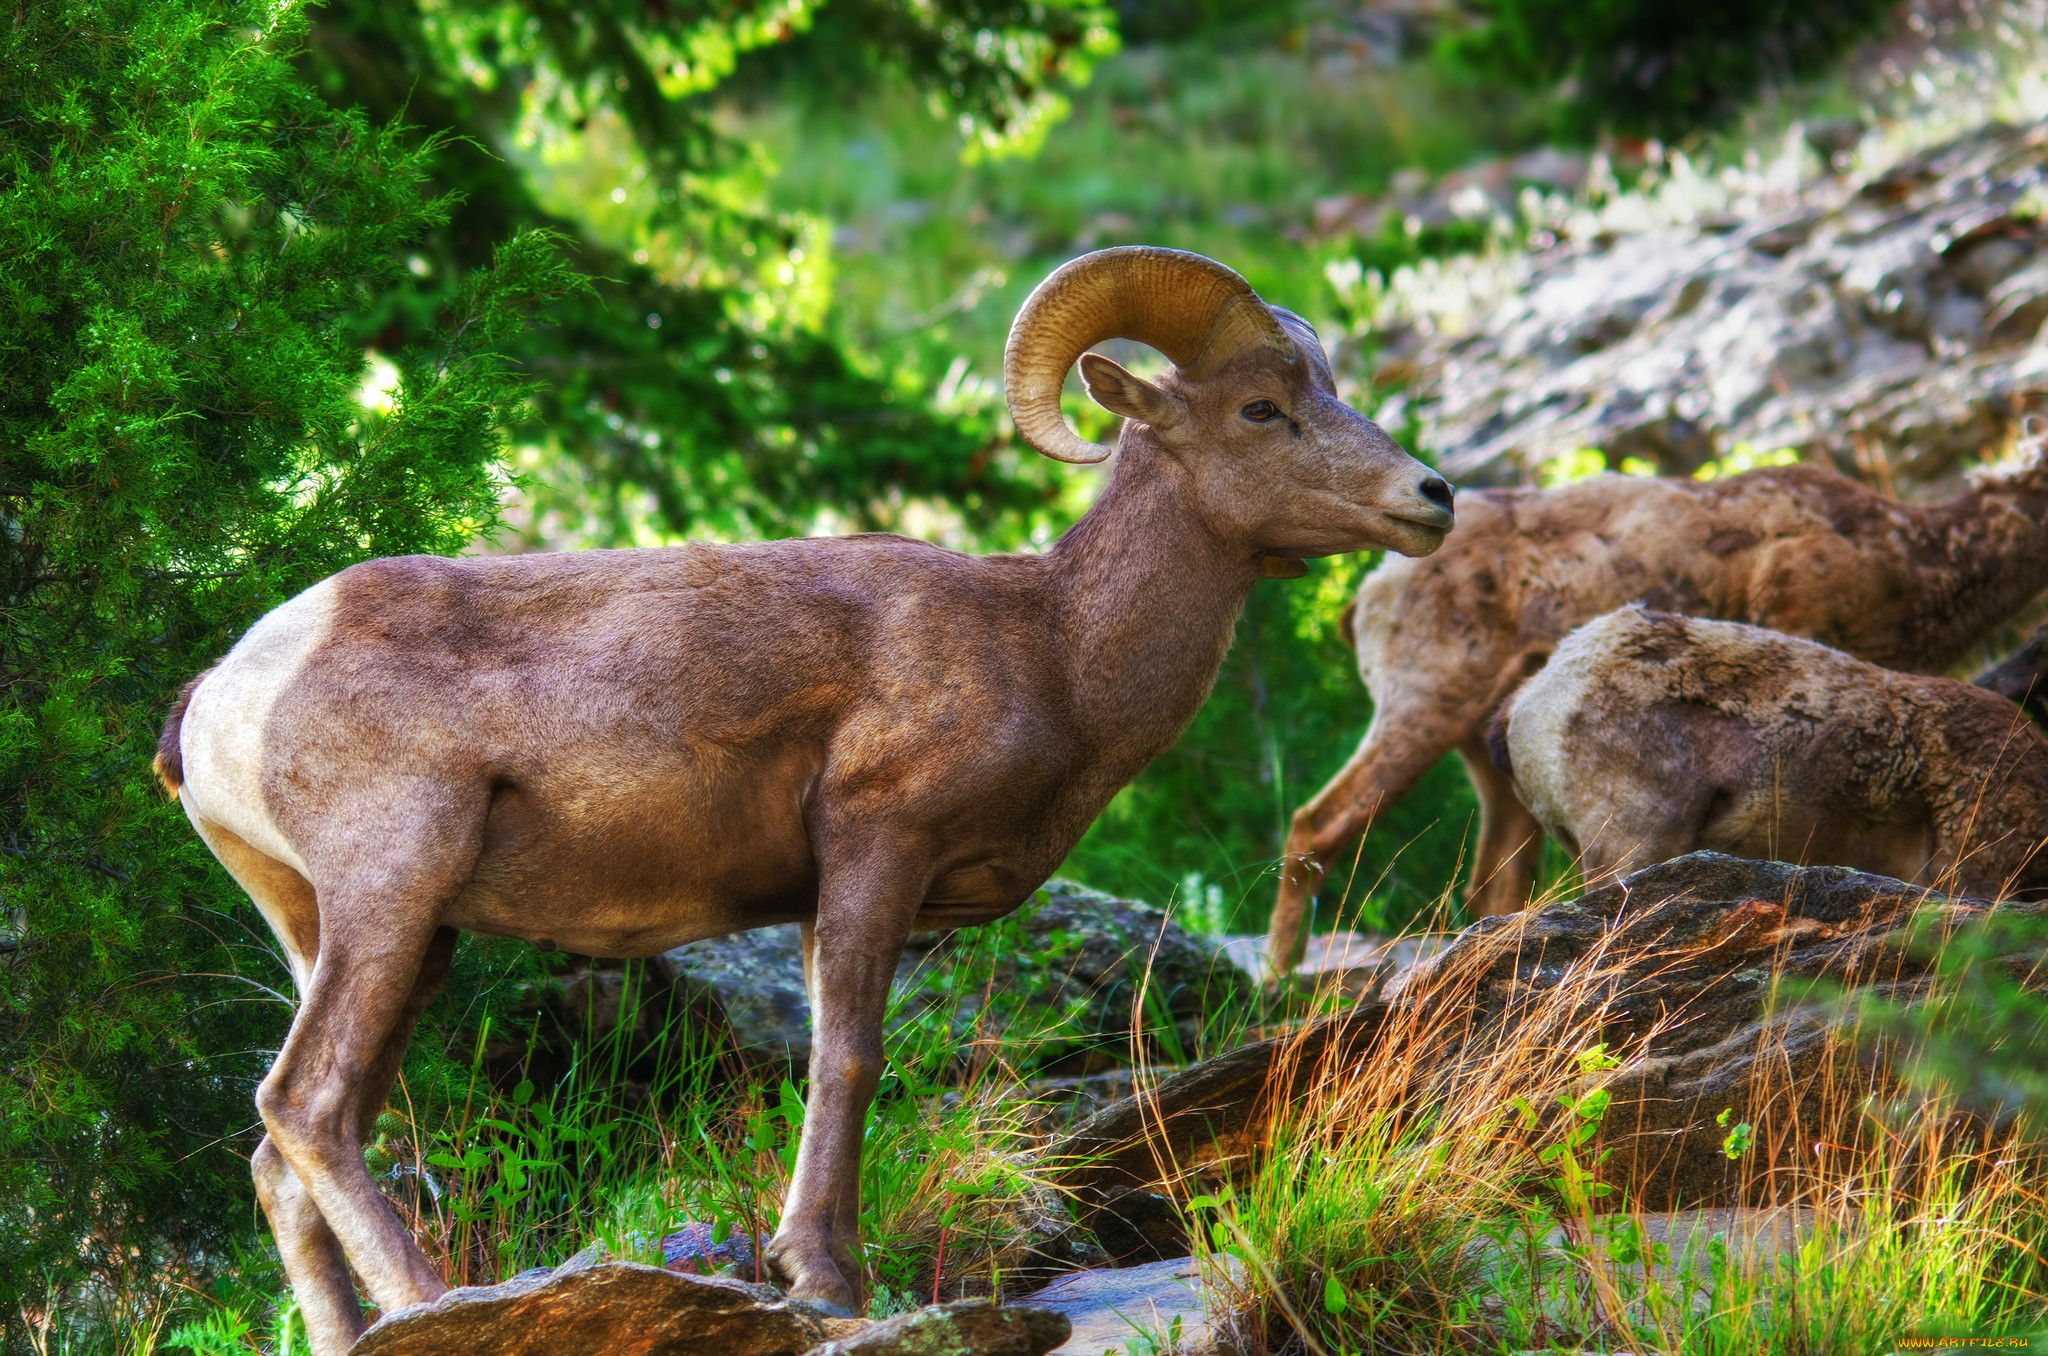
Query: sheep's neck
(1149,593)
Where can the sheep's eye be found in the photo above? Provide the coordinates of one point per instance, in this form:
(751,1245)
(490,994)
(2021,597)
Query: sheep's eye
(1259,411)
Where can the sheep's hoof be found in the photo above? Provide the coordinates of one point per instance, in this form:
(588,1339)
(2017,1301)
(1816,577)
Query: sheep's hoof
(813,1280)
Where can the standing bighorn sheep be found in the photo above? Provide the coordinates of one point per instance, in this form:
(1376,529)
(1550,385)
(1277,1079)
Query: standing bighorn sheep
(1799,549)
(1649,735)
(619,751)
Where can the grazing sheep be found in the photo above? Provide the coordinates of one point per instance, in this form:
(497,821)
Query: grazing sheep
(1650,735)
(1800,549)
(620,751)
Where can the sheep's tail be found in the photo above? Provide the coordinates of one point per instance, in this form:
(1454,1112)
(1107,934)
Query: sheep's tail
(170,753)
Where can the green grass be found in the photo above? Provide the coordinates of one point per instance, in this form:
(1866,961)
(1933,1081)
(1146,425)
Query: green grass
(500,1179)
(1397,1206)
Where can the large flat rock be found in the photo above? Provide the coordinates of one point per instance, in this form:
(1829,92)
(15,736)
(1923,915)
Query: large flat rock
(588,1307)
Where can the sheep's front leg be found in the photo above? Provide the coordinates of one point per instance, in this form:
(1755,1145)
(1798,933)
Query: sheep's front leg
(1510,840)
(1398,749)
(864,918)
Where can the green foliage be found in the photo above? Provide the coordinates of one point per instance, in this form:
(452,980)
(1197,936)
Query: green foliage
(1223,150)
(187,236)
(1983,1032)
(694,389)
(1651,68)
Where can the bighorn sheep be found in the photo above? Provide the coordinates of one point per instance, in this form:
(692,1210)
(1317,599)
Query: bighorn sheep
(620,751)
(1650,735)
(1799,549)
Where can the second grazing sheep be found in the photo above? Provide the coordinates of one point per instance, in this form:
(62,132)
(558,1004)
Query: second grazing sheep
(1650,735)
(1442,642)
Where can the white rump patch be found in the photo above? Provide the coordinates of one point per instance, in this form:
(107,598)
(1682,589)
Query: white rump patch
(222,737)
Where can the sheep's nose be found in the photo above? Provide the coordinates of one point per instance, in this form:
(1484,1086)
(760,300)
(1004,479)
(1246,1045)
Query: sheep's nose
(1437,491)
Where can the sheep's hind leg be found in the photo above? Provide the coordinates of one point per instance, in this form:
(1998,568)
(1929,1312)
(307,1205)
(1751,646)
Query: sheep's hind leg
(382,952)
(313,1258)
(1510,841)
(864,915)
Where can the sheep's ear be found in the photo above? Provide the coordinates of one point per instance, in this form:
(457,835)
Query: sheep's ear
(1117,391)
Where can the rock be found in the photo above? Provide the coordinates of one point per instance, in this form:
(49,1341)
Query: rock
(1078,948)
(1677,965)
(1882,325)
(589,1307)
(1066,1098)
(1202,1113)
(974,1327)
(1096,951)
(1133,1226)
(752,983)
(1109,1308)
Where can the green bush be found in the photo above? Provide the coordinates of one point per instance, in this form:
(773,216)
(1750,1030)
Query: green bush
(188,237)
(1654,68)
(693,389)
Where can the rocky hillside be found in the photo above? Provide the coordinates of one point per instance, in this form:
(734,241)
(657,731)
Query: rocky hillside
(1886,323)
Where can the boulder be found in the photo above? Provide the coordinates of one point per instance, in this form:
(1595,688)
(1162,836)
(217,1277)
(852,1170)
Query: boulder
(1079,953)
(1884,325)
(974,1327)
(752,985)
(591,1307)
(1096,954)
(1693,970)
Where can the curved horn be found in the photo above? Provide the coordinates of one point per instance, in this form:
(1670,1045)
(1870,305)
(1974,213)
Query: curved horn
(1194,310)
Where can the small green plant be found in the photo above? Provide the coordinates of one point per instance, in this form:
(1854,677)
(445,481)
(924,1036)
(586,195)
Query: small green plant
(1739,1138)
(1152,1341)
